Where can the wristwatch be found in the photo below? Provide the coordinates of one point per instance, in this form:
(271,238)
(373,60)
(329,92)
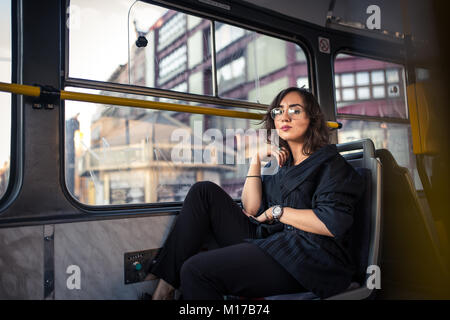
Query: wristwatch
(277,212)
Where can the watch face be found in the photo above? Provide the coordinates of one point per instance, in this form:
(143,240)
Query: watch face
(277,210)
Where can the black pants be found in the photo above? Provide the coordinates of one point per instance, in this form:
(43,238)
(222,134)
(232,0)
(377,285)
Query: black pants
(236,268)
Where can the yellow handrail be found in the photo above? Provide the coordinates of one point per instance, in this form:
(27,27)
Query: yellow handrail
(35,91)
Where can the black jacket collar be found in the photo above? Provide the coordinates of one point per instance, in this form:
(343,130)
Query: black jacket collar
(293,176)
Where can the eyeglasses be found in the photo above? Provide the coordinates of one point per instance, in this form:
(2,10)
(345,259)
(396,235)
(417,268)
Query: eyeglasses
(294,112)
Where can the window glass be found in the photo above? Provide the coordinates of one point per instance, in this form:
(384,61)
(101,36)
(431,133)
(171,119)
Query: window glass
(226,34)
(133,42)
(303,82)
(137,43)
(380,87)
(121,155)
(337,81)
(377,77)
(392,76)
(338,95)
(363,93)
(362,78)
(348,94)
(396,137)
(347,79)
(255,67)
(5,98)
(378,92)
(393,90)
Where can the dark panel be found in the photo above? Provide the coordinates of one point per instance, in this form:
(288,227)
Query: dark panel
(41,193)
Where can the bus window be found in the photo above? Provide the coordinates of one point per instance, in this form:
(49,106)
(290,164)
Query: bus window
(132,42)
(254,67)
(366,91)
(5,98)
(369,87)
(120,155)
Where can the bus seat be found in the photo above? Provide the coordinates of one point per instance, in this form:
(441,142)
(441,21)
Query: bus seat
(413,260)
(366,229)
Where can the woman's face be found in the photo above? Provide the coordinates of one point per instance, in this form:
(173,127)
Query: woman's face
(292,127)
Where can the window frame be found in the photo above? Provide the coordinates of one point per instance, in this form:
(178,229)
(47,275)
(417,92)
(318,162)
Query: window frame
(16,134)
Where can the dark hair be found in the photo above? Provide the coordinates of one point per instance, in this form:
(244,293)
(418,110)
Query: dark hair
(317,135)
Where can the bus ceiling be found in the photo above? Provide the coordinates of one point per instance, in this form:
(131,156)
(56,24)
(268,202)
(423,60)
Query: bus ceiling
(396,17)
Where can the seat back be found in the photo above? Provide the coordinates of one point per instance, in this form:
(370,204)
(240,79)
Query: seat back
(360,232)
(412,258)
(365,235)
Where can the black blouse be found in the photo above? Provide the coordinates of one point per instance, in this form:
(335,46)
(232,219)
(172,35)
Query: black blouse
(326,183)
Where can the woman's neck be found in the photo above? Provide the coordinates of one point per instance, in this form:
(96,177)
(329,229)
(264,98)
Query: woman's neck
(297,152)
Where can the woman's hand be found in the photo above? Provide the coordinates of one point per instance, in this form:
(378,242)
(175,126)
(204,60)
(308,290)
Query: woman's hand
(270,150)
(265,217)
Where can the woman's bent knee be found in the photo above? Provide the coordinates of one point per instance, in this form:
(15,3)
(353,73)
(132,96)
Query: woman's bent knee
(189,272)
(203,185)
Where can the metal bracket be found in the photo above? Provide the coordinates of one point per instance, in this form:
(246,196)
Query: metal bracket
(48,98)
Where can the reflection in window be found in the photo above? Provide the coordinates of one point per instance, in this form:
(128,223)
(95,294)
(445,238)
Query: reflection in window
(347,79)
(378,92)
(348,94)
(250,66)
(303,82)
(377,77)
(392,76)
(362,78)
(266,64)
(121,155)
(338,95)
(171,29)
(178,45)
(172,64)
(5,98)
(393,91)
(374,96)
(231,74)
(396,137)
(363,93)
(337,81)
(226,34)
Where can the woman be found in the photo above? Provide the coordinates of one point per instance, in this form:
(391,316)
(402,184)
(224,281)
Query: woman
(310,198)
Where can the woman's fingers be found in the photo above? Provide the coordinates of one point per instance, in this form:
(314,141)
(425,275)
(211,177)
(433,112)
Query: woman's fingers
(282,155)
(272,151)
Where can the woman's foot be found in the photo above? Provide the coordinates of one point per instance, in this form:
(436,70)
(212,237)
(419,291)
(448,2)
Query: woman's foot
(163,291)
(150,277)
